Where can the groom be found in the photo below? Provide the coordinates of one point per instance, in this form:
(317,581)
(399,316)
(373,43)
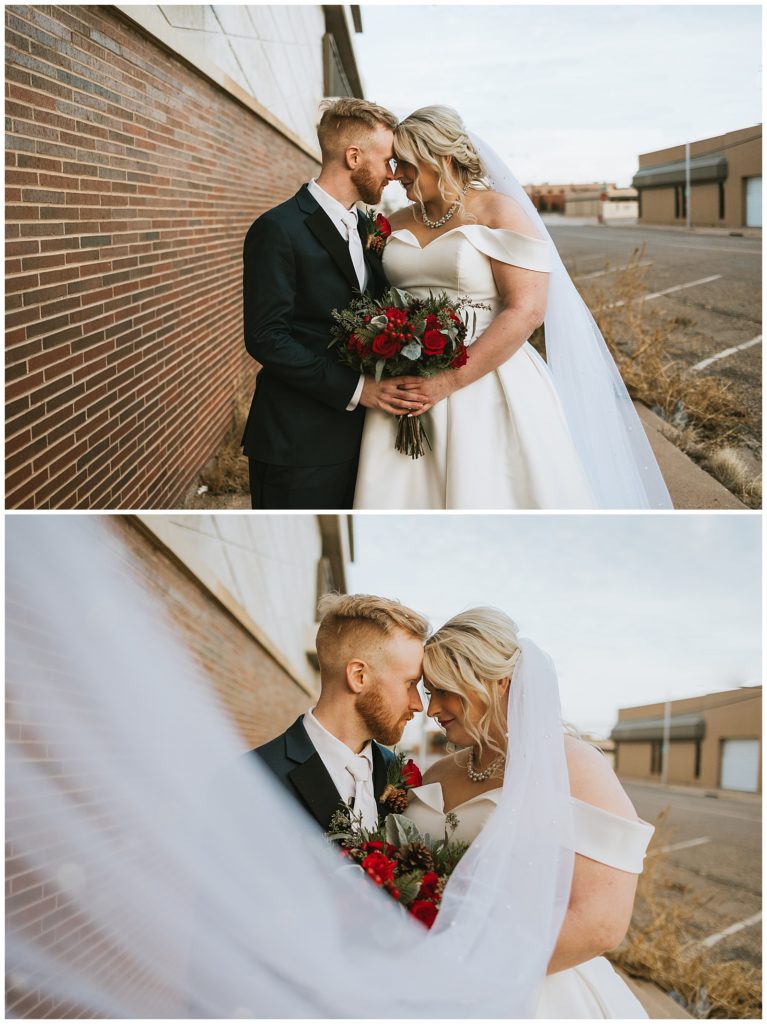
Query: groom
(303,259)
(370,651)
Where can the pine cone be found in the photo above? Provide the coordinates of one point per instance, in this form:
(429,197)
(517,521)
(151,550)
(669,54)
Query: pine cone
(395,800)
(416,857)
(376,244)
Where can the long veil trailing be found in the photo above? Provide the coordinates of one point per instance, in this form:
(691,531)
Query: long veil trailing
(155,872)
(607,432)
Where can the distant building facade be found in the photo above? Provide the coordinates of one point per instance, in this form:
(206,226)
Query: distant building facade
(725,182)
(553,198)
(607,205)
(715,741)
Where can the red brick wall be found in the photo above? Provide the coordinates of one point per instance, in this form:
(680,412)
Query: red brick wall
(130,183)
(262,699)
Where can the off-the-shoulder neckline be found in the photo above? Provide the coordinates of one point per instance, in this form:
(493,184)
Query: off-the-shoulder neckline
(465,227)
(491,795)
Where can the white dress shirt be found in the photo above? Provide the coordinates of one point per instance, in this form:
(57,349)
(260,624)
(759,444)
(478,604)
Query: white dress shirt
(340,217)
(336,757)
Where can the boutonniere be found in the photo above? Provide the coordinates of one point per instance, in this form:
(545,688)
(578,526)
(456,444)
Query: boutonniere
(380,229)
(402,776)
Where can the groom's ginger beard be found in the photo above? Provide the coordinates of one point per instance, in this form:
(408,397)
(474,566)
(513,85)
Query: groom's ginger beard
(372,708)
(368,184)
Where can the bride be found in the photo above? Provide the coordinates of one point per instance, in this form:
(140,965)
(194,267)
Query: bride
(468,670)
(508,430)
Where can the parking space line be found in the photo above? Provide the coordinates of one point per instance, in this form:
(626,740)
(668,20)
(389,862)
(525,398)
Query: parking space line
(667,291)
(726,352)
(687,843)
(739,926)
(611,270)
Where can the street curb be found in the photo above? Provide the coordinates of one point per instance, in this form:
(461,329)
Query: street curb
(720,794)
(657,1003)
(690,486)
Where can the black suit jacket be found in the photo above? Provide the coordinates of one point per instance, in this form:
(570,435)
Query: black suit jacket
(295,761)
(296,269)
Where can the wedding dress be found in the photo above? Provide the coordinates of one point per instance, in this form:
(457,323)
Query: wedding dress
(592,989)
(501,442)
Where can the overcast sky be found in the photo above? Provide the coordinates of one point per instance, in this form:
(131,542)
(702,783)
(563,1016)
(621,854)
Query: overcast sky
(569,93)
(629,606)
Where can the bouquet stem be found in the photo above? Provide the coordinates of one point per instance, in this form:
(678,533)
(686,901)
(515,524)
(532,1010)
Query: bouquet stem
(411,435)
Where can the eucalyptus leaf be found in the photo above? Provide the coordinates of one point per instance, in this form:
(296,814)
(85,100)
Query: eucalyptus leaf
(412,350)
(379,321)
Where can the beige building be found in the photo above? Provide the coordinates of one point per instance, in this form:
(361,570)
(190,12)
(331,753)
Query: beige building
(725,182)
(553,198)
(715,741)
(607,204)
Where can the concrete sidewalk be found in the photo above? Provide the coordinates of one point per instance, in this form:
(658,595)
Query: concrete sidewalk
(723,794)
(658,1005)
(688,484)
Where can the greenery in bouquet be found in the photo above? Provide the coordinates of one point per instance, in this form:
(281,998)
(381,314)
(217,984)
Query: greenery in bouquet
(411,867)
(399,335)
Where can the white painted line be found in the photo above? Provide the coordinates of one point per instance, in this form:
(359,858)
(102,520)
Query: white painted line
(726,352)
(611,270)
(685,845)
(667,291)
(713,939)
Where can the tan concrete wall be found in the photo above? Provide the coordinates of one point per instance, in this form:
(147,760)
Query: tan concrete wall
(657,206)
(634,760)
(681,761)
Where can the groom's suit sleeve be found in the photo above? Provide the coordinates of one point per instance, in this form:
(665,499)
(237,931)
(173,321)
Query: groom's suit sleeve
(269,294)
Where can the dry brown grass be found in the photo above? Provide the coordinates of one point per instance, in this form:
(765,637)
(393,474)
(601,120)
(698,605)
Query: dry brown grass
(700,407)
(661,947)
(227,471)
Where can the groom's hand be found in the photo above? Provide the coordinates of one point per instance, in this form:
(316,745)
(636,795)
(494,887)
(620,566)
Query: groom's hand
(387,396)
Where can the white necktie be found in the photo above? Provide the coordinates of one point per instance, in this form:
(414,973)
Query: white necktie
(349,220)
(364,801)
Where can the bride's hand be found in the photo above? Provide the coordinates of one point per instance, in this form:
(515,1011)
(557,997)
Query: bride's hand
(387,396)
(430,389)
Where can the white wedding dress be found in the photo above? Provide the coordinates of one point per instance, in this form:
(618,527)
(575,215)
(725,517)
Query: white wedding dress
(592,989)
(499,443)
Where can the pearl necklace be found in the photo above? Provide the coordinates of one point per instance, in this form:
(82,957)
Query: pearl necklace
(443,220)
(476,776)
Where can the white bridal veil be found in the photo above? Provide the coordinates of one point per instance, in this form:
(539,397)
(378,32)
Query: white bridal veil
(607,432)
(167,876)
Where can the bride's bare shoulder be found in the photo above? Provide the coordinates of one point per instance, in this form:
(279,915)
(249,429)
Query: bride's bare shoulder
(593,780)
(440,770)
(401,218)
(495,210)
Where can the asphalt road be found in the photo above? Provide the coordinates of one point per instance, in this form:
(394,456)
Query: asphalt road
(709,317)
(722,876)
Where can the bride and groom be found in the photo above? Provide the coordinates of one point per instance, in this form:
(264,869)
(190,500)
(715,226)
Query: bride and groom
(507,429)
(526,795)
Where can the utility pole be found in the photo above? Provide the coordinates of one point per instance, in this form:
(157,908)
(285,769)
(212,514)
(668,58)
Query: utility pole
(666,737)
(687,189)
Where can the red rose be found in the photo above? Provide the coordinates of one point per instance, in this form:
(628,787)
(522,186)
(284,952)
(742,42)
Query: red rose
(433,343)
(433,323)
(376,844)
(424,910)
(411,774)
(461,357)
(380,868)
(454,317)
(383,225)
(385,347)
(428,890)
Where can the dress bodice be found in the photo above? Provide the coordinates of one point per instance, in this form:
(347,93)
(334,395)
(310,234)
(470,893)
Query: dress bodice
(458,262)
(599,834)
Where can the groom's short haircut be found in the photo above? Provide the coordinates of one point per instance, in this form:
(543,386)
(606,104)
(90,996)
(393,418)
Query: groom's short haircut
(351,619)
(348,121)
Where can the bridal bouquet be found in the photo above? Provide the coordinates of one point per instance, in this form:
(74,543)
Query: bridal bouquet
(411,867)
(399,335)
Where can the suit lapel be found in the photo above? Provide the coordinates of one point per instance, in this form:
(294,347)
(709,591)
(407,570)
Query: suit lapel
(380,775)
(310,777)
